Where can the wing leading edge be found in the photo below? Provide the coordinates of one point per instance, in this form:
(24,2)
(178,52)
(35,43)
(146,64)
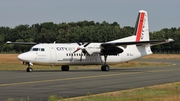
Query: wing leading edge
(21,43)
(141,43)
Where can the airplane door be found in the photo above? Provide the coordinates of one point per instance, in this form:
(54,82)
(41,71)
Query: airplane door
(52,55)
(123,57)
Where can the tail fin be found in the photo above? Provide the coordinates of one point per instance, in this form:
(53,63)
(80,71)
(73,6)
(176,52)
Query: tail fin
(141,28)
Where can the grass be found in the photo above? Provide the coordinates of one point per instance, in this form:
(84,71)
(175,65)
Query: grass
(166,92)
(10,62)
(162,56)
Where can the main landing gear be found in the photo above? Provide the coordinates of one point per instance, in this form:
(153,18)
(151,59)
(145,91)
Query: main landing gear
(65,68)
(105,67)
(29,69)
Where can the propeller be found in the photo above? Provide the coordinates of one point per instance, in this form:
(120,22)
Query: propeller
(82,47)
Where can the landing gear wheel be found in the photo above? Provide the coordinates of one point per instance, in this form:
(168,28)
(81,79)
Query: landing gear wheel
(29,69)
(65,68)
(104,67)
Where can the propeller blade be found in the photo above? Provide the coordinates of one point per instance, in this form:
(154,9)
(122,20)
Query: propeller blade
(79,43)
(87,44)
(81,57)
(85,52)
(82,48)
(76,50)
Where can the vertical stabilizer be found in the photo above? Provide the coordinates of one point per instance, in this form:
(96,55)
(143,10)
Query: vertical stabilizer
(141,28)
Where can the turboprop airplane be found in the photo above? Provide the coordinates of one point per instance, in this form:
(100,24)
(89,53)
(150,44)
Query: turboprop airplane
(116,51)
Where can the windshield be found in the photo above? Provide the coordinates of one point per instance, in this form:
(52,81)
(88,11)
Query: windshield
(37,49)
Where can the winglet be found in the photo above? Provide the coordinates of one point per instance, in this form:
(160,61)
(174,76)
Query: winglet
(141,28)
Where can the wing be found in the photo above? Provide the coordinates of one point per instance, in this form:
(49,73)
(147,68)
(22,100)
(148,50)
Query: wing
(21,43)
(113,49)
(110,50)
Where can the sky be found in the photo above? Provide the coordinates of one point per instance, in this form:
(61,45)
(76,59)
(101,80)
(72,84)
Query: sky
(161,13)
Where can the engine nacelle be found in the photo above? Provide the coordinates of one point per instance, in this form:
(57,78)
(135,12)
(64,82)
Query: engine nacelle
(92,50)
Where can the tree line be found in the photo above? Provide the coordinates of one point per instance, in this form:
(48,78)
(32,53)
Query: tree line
(49,32)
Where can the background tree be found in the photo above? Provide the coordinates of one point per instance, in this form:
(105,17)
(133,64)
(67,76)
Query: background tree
(49,32)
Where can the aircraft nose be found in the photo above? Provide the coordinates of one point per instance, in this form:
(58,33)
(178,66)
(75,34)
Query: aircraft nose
(22,57)
(27,57)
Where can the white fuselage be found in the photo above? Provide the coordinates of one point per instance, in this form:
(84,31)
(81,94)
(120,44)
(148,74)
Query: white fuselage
(125,49)
(62,54)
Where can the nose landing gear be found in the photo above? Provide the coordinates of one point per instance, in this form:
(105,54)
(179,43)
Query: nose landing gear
(29,69)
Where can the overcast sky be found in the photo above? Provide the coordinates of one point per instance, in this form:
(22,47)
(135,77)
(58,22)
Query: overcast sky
(161,13)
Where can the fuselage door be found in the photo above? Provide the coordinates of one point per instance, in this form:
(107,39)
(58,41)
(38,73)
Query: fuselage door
(52,55)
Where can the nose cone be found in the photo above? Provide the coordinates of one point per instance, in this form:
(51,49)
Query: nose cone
(27,57)
(22,57)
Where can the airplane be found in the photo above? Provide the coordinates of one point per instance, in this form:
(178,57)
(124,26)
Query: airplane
(112,52)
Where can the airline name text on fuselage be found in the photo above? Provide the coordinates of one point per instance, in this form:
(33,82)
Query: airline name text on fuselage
(65,48)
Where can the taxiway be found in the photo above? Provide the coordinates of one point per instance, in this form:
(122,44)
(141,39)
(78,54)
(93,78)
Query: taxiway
(39,85)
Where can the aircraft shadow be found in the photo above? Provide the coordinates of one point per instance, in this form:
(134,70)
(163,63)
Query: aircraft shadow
(92,70)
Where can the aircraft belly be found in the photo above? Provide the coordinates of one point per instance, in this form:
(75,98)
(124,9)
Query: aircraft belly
(90,60)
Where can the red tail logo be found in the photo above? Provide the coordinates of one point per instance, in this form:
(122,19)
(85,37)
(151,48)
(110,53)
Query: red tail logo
(139,32)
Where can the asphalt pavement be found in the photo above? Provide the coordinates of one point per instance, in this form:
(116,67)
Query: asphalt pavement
(40,84)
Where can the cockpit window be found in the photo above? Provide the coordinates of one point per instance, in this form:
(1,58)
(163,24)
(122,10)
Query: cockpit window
(35,49)
(42,49)
(38,49)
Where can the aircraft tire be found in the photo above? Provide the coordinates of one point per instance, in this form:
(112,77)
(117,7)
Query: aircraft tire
(104,67)
(65,68)
(29,69)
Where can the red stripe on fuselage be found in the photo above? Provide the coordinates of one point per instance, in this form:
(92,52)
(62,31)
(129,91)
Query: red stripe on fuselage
(140,25)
